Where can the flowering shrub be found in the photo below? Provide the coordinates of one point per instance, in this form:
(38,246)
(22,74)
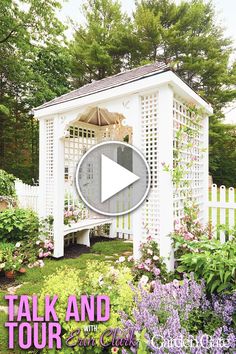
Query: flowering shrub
(100,279)
(150,266)
(187,229)
(32,253)
(15,256)
(180,311)
(9,261)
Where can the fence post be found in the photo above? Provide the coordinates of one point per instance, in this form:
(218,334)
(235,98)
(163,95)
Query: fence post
(231,210)
(222,212)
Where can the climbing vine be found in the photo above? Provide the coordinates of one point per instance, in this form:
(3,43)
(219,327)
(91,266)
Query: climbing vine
(184,138)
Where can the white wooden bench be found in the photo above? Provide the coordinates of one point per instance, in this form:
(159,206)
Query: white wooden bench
(83,227)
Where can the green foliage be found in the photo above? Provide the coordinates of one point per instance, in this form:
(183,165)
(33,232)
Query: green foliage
(100,279)
(100,46)
(34,68)
(212,261)
(206,321)
(222,166)
(7,184)
(142,347)
(188,36)
(18,224)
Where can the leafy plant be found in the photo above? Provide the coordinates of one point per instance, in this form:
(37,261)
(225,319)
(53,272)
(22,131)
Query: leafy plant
(212,261)
(7,184)
(18,224)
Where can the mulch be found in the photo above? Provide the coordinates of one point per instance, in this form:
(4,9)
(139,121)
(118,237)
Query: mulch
(6,283)
(74,251)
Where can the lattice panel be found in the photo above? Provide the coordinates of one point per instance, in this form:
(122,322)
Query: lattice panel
(190,147)
(81,137)
(149,126)
(49,165)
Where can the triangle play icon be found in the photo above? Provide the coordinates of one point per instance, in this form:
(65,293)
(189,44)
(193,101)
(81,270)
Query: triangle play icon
(114,178)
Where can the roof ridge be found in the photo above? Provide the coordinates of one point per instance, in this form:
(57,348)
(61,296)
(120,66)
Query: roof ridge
(157,66)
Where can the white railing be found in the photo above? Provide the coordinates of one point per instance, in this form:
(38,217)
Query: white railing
(222,210)
(28,196)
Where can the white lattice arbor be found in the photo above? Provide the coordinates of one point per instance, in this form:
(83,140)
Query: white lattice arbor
(145,106)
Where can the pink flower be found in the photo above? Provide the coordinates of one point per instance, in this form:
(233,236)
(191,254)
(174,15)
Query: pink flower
(188,236)
(156,272)
(148,261)
(140,266)
(40,254)
(46,254)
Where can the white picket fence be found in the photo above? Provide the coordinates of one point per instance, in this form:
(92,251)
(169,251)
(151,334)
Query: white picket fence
(28,196)
(222,211)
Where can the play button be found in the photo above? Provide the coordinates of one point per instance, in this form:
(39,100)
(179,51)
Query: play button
(120,177)
(113,178)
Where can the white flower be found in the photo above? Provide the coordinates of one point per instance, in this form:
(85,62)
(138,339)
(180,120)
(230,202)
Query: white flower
(18,244)
(41,263)
(155,258)
(130,259)
(144,280)
(100,280)
(2,265)
(121,259)
(149,251)
(37,242)
(30,265)
(114,272)
(176,283)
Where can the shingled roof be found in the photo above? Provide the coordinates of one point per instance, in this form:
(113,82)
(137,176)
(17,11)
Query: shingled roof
(109,82)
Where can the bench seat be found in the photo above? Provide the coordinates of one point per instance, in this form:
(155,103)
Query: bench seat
(83,227)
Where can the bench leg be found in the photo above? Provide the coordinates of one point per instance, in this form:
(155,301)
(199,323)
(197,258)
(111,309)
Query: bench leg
(83,238)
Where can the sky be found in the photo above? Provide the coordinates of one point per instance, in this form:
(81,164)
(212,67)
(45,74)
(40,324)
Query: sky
(225,10)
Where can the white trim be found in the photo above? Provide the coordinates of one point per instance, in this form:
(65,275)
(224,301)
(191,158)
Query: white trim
(137,86)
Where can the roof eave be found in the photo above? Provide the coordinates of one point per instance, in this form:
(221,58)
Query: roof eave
(128,88)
